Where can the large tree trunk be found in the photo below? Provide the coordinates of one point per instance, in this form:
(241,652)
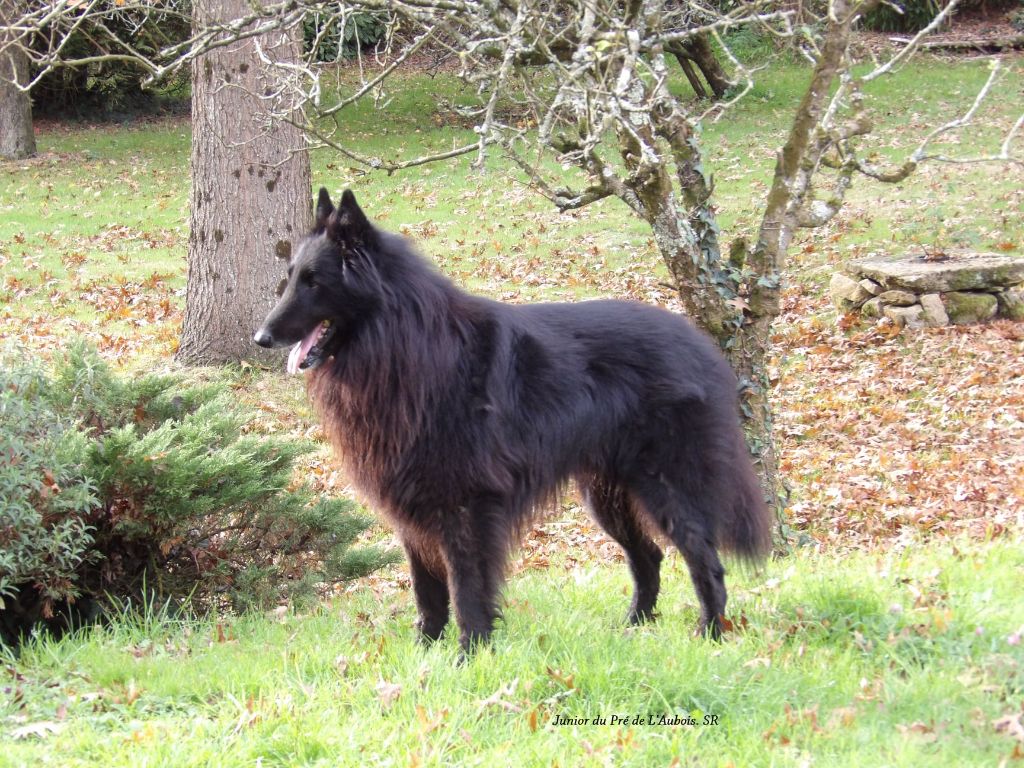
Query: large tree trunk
(748,354)
(16,137)
(683,57)
(251,197)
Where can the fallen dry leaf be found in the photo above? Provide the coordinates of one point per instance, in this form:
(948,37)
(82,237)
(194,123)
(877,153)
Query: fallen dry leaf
(1012,725)
(500,698)
(388,693)
(40,730)
(924,731)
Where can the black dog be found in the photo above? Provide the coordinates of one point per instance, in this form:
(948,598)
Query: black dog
(459,417)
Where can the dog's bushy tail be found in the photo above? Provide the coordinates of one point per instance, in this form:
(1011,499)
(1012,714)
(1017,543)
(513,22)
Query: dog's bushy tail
(745,528)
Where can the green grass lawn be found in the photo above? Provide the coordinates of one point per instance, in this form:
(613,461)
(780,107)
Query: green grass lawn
(894,639)
(876,658)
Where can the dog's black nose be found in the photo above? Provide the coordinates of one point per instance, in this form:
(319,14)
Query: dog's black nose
(263,338)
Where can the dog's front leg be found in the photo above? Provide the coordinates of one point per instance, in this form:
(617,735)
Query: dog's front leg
(474,552)
(431,593)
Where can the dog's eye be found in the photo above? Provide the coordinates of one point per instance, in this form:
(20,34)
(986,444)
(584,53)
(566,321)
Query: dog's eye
(308,279)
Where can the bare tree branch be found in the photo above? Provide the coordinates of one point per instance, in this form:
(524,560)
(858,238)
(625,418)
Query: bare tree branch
(920,154)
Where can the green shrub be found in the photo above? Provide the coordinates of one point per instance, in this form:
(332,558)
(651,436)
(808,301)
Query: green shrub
(750,44)
(915,15)
(334,40)
(164,492)
(902,16)
(45,502)
(105,87)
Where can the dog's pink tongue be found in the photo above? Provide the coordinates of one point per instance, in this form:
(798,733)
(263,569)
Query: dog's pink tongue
(300,350)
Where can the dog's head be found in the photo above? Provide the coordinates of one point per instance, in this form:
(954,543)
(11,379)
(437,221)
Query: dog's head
(329,288)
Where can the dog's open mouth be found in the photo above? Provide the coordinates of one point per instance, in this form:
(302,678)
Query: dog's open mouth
(310,352)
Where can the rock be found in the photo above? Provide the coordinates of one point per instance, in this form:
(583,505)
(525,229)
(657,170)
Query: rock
(846,294)
(934,314)
(957,272)
(870,286)
(897,298)
(1011,303)
(872,307)
(964,307)
(909,317)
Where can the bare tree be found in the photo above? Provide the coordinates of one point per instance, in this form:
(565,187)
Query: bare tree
(592,79)
(589,83)
(17,139)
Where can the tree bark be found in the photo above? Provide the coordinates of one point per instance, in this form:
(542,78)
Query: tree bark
(710,290)
(791,187)
(250,201)
(687,66)
(17,139)
(704,57)
(698,51)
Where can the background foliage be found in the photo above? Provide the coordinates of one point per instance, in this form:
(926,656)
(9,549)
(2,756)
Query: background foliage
(107,87)
(914,15)
(336,40)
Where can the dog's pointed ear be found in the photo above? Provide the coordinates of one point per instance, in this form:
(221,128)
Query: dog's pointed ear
(348,224)
(324,208)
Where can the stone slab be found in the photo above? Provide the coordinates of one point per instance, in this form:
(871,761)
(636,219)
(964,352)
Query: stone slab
(956,272)
(872,307)
(846,294)
(871,286)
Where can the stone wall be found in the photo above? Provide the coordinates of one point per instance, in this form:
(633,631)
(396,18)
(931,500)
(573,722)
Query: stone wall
(919,292)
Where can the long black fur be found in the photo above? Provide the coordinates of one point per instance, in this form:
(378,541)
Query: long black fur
(460,417)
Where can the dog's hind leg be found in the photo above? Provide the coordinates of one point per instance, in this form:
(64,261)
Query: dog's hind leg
(475,548)
(431,595)
(708,578)
(612,509)
(684,523)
